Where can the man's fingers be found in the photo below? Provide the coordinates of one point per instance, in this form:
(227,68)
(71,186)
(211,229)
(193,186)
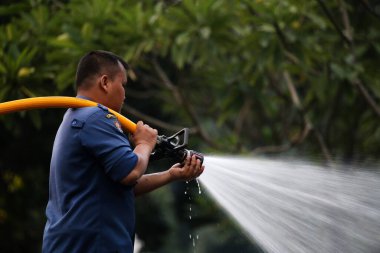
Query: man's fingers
(193,167)
(197,167)
(193,162)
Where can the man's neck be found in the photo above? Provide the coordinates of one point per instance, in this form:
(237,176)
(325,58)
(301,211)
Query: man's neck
(93,96)
(90,95)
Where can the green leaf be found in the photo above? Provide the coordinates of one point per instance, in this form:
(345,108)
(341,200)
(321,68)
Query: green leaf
(339,71)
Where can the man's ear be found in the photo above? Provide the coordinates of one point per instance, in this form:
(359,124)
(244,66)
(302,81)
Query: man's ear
(104,83)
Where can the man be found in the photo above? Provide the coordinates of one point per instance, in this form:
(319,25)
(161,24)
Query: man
(94,173)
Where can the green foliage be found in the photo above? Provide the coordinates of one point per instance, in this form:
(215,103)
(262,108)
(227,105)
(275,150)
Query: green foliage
(247,75)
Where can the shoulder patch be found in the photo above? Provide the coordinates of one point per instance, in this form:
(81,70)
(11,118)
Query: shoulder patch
(75,123)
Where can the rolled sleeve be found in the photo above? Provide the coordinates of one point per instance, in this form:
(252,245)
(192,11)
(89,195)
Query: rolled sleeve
(103,139)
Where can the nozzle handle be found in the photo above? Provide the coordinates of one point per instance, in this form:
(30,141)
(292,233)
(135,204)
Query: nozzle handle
(177,141)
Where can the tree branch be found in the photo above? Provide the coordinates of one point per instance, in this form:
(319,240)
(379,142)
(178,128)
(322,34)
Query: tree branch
(308,125)
(346,22)
(180,99)
(167,83)
(273,80)
(281,36)
(271,149)
(141,94)
(282,148)
(362,89)
(155,122)
(369,8)
(242,115)
(292,90)
(358,83)
(335,24)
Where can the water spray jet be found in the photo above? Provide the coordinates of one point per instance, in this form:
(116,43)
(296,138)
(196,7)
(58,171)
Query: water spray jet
(294,206)
(174,146)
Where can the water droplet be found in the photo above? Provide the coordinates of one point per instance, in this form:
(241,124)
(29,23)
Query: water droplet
(199,187)
(197,237)
(190,236)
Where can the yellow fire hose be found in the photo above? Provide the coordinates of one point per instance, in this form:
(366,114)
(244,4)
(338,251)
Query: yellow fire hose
(173,146)
(59,102)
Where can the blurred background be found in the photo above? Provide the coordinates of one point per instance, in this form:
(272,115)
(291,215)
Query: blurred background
(253,77)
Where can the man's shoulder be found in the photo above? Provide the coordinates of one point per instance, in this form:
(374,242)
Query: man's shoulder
(96,116)
(93,113)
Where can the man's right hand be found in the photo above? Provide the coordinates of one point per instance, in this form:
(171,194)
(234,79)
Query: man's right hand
(145,135)
(145,139)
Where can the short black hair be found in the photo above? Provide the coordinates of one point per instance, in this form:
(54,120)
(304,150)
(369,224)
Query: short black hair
(96,62)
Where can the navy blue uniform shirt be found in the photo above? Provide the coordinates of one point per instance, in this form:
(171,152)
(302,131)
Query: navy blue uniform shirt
(89,210)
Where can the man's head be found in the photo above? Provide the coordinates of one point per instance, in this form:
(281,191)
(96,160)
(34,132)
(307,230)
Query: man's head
(101,76)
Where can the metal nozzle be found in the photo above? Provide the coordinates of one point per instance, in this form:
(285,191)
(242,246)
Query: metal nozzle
(174,147)
(198,155)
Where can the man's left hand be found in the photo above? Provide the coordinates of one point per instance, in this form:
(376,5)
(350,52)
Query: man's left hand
(190,169)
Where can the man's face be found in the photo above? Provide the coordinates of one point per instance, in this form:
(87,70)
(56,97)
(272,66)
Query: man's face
(116,95)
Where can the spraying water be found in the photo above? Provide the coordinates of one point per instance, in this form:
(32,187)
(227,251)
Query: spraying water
(295,207)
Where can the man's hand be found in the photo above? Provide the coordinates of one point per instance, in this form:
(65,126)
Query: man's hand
(144,135)
(191,169)
(145,139)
